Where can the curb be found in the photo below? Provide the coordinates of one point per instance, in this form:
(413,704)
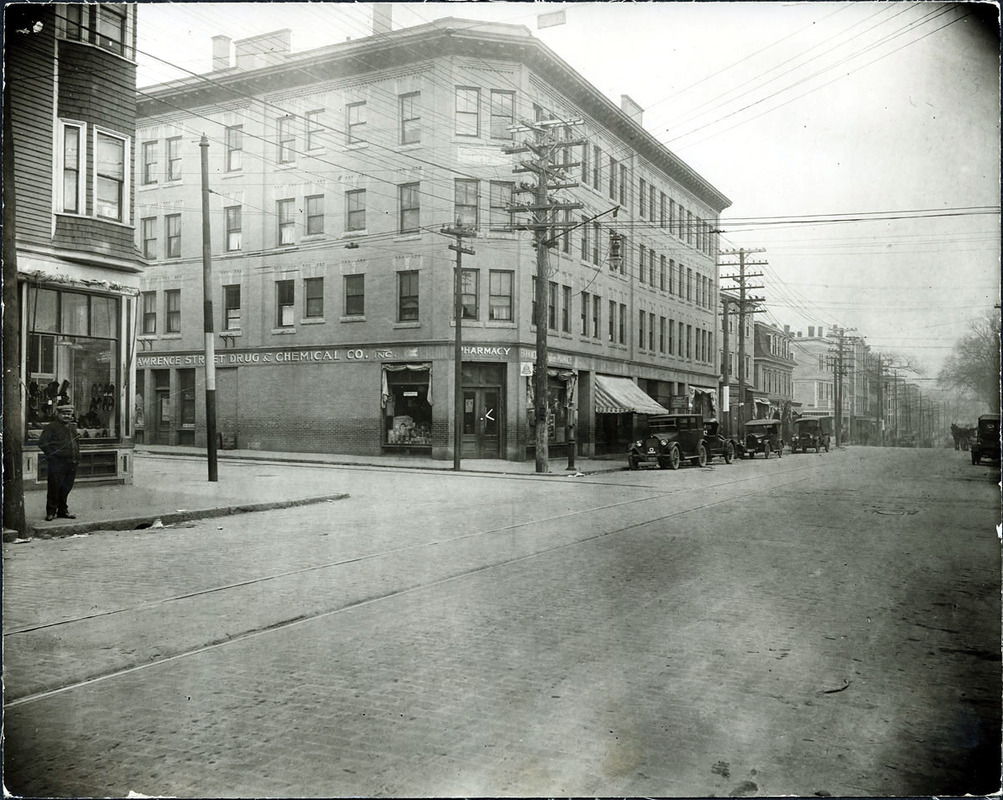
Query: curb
(59,530)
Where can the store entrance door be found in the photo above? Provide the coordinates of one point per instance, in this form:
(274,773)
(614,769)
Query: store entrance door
(481,415)
(162,417)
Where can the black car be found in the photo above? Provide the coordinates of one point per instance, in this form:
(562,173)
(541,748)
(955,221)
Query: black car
(763,436)
(808,435)
(671,439)
(716,443)
(986,442)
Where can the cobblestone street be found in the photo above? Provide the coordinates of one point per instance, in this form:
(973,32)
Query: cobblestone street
(816,624)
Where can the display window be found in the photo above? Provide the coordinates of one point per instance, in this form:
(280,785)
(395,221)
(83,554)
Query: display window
(560,402)
(73,357)
(407,407)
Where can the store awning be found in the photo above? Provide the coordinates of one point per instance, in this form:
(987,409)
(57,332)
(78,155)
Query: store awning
(763,401)
(705,389)
(623,396)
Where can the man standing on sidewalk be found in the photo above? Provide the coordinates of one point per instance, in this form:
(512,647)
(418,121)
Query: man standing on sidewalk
(60,444)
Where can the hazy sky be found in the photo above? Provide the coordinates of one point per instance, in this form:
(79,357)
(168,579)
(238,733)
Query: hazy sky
(790,109)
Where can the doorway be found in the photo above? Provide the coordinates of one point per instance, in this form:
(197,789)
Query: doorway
(481,422)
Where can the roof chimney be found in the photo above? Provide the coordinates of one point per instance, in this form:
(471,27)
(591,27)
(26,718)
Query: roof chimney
(263,50)
(220,52)
(811,331)
(631,109)
(787,329)
(382,18)
(820,331)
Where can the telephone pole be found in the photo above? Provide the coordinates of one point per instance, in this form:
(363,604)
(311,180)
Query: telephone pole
(747,304)
(550,176)
(460,232)
(207,318)
(839,372)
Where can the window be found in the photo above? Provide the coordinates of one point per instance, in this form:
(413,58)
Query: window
(287,140)
(536,285)
(468,120)
(500,295)
(642,196)
(595,242)
(172,222)
(111,27)
(150,159)
(566,309)
(410,208)
(586,168)
(286,212)
(596,167)
(465,202)
(313,298)
(689,342)
(355,210)
(285,303)
(689,283)
(502,114)
(71,200)
(672,329)
(234,147)
(640,329)
(651,267)
(640,273)
(623,184)
(661,335)
(672,276)
(596,316)
(174,158)
(314,215)
(410,114)
(661,272)
(623,323)
(149,234)
(585,239)
(585,314)
(407,296)
(689,227)
(612,321)
(149,313)
(231,307)
(499,217)
(661,210)
(355,123)
(172,304)
(232,228)
(355,295)
(552,307)
(651,201)
(314,129)
(682,340)
(651,332)
(469,293)
(110,177)
(612,178)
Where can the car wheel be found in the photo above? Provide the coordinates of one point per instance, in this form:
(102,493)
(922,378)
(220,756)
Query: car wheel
(701,455)
(674,457)
(729,453)
(633,462)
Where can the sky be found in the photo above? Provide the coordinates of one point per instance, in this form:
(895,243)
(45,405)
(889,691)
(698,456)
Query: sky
(794,111)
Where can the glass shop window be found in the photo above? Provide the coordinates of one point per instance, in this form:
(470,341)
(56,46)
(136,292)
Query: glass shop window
(408,414)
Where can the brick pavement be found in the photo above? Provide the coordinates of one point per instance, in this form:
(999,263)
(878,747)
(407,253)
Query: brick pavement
(688,656)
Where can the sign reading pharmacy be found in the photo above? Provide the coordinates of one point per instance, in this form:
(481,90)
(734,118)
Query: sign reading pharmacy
(271,357)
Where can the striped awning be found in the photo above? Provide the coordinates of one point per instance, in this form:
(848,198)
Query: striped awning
(623,396)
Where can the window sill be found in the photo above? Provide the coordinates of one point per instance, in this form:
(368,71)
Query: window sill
(283,331)
(357,146)
(170,337)
(231,332)
(403,148)
(312,321)
(314,237)
(285,166)
(409,324)
(354,318)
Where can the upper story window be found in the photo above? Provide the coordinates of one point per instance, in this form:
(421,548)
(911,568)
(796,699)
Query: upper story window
(313,298)
(233,231)
(111,177)
(465,206)
(500,294)
(286,211)
(355,295)
(151,157)
(410,208)
(149,237)
(502,114)
(407,296)
(73,167)
(231,307)
(355,210)
(470,293)
(287,140)
(285,303)
(410,118)
(468,118)
(173,225)
(107,25)
(314,129)
(174,158)
(355,122)
(149,313)
(314,214)
(500,218)
(172,305)
(234,147)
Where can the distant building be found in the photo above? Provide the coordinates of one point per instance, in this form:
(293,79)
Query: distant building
(773,368)
(333,171)
(71,74)
(813,375)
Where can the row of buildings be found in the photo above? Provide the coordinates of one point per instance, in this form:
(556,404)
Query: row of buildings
(332,173)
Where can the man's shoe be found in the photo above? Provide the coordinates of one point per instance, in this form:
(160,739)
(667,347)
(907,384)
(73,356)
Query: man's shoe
(49,517)
(67,516)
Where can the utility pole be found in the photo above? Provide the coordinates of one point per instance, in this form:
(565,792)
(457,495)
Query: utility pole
(207,317)
(543,208)
(13,427)
(839,372)
(746,305)
(460,232)
(724,402)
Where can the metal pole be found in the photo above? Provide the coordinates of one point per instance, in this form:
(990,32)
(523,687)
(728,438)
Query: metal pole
(210,348)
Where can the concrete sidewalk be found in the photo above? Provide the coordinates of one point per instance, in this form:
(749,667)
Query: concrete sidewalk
(170,484)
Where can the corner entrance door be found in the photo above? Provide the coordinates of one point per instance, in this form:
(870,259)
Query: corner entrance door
(481,415)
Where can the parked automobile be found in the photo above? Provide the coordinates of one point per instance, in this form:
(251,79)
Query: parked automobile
(763,436)
(671,439)
(808,435)
(986,442)
(716,443)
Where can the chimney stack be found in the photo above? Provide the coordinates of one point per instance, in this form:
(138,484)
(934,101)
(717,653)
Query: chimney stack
(820,331)
(787,329)
(631,109)
(220,52)
(263,50)
(811,331)
(382,18)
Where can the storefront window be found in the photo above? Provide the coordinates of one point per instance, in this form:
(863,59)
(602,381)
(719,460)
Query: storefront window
(557,407)
(73,357)
(407,410)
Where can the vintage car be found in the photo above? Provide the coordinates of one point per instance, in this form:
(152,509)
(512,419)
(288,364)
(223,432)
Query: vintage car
(763,436)
(716,443)
(986,442)
(671,439)
(808,435)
